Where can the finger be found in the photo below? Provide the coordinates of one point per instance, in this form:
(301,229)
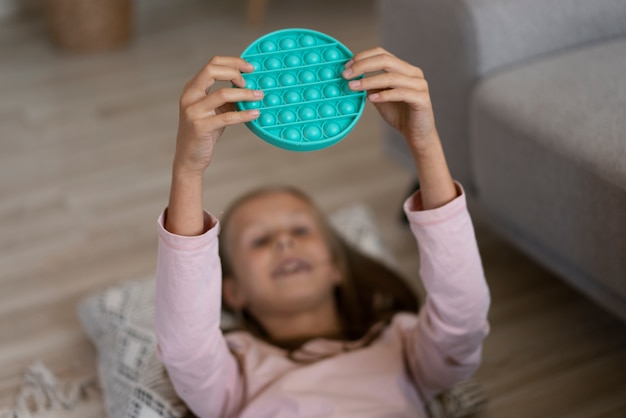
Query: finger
(232,118)
(228,107)
(225,117)
(236,62)
(386,81)
(199,85)
(366,54)
(219,98)
(418,100)
(382,62)
(385,62)
(204,76)
(212,72)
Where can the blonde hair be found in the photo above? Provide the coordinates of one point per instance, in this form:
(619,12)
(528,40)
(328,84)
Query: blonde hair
(370,292)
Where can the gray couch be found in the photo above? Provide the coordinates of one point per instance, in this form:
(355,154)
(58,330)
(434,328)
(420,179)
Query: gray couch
(530,102)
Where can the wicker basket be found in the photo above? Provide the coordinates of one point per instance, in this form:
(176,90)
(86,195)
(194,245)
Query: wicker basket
(89,25)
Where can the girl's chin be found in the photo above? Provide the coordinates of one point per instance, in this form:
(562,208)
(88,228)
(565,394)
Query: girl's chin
(299,296)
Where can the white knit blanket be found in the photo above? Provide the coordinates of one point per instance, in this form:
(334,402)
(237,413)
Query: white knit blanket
(43,395)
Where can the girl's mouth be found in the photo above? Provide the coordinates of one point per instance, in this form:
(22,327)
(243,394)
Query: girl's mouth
(290,267)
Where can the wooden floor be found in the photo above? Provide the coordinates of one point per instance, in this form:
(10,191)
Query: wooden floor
(86,145)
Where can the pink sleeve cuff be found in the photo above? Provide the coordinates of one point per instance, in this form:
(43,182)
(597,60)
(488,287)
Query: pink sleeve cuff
(211,231)
(418,216)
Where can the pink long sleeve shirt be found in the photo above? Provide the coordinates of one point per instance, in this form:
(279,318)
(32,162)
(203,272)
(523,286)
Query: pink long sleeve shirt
(415,357)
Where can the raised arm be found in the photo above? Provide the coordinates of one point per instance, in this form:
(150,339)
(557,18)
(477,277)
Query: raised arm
(188,298)
(444,345)
(202,119)
(400,93)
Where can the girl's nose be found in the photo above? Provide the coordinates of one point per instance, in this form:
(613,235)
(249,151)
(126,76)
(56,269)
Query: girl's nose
(284,240)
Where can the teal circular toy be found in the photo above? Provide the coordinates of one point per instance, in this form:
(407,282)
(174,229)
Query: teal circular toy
(307,104)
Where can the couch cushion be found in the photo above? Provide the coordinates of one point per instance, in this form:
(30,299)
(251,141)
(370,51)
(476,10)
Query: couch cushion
(548,153)
(572,104)
(507,32)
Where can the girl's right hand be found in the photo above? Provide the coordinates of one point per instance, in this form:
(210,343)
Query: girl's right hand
(204,113)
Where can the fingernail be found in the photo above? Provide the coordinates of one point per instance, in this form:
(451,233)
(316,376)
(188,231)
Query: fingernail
(347,73)
(258,93)
(349,64)
(374,96)
(354,84)
(254,113)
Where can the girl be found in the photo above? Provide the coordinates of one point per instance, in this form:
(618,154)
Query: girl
(321,340)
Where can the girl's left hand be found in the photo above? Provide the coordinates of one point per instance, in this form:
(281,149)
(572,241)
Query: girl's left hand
(399,92)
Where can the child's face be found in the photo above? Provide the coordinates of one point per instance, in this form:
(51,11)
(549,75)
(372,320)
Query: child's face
(281,261)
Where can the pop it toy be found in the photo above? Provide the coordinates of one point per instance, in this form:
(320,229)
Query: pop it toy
(307,104)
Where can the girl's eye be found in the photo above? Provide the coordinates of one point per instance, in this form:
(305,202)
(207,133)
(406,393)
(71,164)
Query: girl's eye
(300,231)
(261,241)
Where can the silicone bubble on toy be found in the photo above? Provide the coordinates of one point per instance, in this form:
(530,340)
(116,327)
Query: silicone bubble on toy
(307,104)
